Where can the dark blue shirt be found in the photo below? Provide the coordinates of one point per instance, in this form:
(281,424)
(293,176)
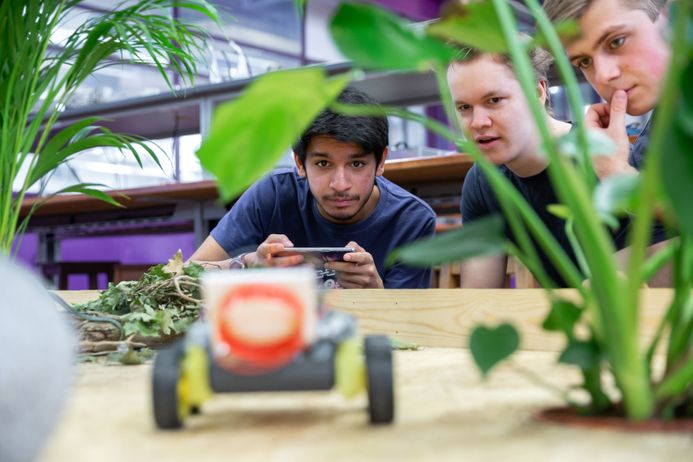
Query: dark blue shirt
(281,203)
(479,200)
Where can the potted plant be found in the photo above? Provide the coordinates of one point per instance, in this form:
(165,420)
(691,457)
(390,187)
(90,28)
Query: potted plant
(608,303)
(37,79)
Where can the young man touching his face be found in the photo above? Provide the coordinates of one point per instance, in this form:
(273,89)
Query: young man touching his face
(623,54)
(336,196)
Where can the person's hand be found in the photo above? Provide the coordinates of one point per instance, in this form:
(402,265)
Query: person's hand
(610,119)
(265,255)
(357,271)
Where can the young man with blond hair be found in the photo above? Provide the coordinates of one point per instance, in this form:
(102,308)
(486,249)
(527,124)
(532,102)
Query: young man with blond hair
(492,108)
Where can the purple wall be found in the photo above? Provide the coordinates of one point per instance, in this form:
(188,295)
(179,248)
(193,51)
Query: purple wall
(144,249)
(418,10)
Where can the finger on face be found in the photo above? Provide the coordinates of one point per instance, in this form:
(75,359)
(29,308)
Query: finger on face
(619,103)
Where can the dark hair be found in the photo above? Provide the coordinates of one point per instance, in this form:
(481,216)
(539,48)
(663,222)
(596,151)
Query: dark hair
(369,132)
(560,10)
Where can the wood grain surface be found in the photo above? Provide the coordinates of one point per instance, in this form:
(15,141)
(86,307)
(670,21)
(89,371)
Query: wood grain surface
(445,317)
(444,412)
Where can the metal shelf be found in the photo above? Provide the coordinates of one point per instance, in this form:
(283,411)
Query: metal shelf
(189,111)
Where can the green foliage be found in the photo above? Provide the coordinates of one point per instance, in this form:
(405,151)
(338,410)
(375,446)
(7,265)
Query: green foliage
(566,30)
(616,195)
(597,144)
(475,25)
(562,317)
(489,346)
(483,237)
(164,302)
(610,300)
(677,178)
(37,79)
(265,108)
(583,354)
(377,39)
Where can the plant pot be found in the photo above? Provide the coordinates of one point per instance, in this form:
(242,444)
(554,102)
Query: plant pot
(568,416)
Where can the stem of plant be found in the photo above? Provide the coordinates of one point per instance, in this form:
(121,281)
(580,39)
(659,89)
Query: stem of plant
(621,337)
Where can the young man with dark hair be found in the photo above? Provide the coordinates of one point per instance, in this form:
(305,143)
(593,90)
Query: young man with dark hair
(623,53)
(336,196)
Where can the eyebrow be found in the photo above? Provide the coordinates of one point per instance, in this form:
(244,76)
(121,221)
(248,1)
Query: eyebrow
(602,39)
(485,96)
(354,155)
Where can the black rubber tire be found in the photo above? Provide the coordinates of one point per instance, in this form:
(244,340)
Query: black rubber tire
(165,377)
(381,399)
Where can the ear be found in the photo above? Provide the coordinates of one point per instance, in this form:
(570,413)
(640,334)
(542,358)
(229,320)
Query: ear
(543,91)
(299,166)
(380,169)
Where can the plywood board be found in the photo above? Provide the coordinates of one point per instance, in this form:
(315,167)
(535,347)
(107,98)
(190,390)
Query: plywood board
(444,412)
(445,317)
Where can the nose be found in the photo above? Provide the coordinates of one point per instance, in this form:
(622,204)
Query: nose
(340,180)
(606,69)
(479,119)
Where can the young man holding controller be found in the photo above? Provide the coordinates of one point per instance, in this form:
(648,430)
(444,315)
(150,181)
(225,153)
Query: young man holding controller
(336,196)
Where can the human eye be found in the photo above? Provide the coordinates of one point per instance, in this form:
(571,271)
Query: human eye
(582,62)
(358,164)
(616,42)
(321,163)
(462,108)
(495,100)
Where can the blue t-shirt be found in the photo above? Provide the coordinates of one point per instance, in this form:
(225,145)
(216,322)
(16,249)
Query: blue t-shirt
(281,203)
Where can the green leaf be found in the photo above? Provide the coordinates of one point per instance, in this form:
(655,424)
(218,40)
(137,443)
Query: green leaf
(583,354)
(374,38)
(165,322)
(264,121)
(158,272)
(193,270)
(560,210)
(598,144)
(301,6)
(490,346)
(87,190)
(677,173)
(562,317)
(616,195)
(475,25)
(686,112)
(480,237)
(566,30)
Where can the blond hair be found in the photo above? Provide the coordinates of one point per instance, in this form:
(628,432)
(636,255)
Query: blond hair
(561,10)
(540,59)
